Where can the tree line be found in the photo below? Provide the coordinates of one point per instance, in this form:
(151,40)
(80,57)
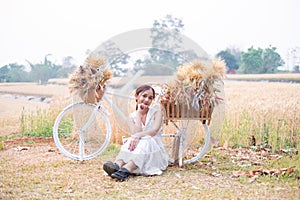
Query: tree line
(252,61)
(166,39)
(38,72)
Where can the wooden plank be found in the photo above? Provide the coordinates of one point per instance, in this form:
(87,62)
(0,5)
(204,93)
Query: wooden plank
(176,112)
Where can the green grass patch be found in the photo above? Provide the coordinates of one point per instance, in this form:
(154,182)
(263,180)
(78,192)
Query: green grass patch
(38,124)
(276,134)
(110,152)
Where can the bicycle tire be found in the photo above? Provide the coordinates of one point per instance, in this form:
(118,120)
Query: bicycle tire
(81,132)
(201,149)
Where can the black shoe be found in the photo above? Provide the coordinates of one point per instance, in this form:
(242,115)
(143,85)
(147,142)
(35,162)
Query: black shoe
(122,174)
(110,167)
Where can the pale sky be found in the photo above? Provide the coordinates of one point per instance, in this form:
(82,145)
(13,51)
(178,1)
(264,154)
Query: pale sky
(30,29)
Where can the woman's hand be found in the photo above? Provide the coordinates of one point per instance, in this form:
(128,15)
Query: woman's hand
(142,107)
(133,143)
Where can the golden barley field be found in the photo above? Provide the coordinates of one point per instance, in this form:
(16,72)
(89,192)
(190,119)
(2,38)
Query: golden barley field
(269,111)
(20,102)
(265,111)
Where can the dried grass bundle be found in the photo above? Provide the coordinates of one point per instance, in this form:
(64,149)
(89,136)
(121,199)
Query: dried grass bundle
(89,81)
(195,84)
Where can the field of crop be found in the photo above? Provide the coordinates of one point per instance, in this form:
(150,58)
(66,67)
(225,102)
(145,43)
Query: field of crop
(288,77)
(266,112)
(257,155)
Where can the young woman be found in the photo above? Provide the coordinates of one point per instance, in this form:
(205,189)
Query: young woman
(143,153)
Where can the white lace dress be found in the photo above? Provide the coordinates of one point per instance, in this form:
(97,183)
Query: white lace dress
(149,155)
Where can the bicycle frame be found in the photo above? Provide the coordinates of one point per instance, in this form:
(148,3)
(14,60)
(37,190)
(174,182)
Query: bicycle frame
(110,102)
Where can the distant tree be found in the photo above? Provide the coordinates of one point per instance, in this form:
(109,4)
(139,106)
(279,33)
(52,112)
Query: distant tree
(166,49)
(230,60)
(4,73)
(260,60)
(271,60)
(166,40)
(42,72)
(67,62)
(13,73)
(251,61)
(114,57)
(67,67)
(38,72)
(296,69)
(165,33)
(237,53)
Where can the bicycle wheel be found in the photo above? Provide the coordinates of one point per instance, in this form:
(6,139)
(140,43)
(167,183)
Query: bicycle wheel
(195,142)
(81,131)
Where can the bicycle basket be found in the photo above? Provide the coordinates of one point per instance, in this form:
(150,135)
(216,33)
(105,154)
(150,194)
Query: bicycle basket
(173,111)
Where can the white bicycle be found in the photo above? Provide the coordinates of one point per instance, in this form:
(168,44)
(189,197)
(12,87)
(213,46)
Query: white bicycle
(83,131)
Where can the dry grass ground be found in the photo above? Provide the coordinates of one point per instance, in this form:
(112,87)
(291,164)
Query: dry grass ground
(39,171)
(32,168)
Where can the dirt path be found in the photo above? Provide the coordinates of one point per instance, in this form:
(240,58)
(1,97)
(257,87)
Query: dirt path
(34,169)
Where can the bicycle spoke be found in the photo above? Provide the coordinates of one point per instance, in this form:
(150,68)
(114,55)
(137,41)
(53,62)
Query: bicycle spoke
(82,119)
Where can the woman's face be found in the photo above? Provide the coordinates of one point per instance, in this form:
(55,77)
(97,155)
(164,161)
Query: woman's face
(146,97)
